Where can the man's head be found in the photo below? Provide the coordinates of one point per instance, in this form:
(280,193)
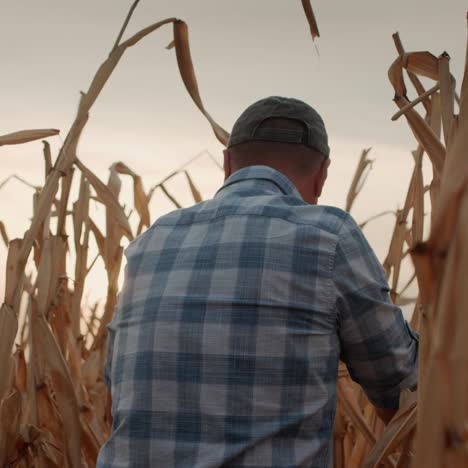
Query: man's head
(285,134)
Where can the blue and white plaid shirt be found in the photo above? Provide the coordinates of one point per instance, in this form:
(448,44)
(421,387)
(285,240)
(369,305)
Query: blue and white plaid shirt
(234,314)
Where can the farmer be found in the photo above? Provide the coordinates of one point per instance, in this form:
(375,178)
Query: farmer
(235,312)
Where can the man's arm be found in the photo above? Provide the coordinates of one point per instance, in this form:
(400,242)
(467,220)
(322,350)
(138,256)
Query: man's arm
(377,345)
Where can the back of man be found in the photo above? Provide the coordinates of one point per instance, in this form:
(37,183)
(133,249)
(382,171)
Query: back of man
(225,345)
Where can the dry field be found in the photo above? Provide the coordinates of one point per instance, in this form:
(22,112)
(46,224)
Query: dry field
(55,407)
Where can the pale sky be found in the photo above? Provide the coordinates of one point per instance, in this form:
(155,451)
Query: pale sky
(242,51)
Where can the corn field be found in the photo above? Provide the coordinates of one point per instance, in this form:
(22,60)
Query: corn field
(55,406)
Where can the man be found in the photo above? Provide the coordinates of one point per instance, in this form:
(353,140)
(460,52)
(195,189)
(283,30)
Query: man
(235,313)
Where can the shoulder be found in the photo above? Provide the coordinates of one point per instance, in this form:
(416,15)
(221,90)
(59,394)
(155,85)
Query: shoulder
(162,228)
(327,218)
(346,237)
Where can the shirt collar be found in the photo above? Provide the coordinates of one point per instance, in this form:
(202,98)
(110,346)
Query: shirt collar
(263,173)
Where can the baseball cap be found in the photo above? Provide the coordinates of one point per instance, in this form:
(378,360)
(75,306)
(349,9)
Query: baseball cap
(247,127)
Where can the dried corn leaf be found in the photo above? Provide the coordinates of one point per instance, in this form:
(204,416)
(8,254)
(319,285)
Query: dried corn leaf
(399,429)
(90,443)
(21,373)
(51,269)
(422,64)
(339,433)
(113,233)
(140,199)
(394,256)
(8,317)
(360,176)
(12,271)
(425,135)
(32,413)
(47,157)
(421,98)
(108,66)
(169,196)
(447,93)
(91,369)
(113,266)
(80,221)
(363,224)
(427,65)
(3,234)
(435,431)
(413,78)
(195,193)
(53,366)
(309,12)
(41,213)
(25,136)
(113,249)
(359,450)
(401,300)
(106,197)
(417,226)
(49,455)
(187,72)
(424,272)
(395,75)
(10,411)
(81,211)
(352,410)
(100,240)
(125,24)
(66,182)
(114,182)
(8,328)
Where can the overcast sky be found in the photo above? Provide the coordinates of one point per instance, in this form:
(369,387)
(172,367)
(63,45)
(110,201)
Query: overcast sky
(242,51)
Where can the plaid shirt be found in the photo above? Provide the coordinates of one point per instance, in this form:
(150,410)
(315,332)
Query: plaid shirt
(228,331)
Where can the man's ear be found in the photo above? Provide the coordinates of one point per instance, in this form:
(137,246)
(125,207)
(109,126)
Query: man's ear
(227,164)
(322,176)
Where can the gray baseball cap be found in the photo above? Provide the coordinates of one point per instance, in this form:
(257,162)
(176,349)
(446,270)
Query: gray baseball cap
(246,128)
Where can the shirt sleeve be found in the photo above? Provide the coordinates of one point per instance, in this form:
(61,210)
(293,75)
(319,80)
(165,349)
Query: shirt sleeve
(377,344)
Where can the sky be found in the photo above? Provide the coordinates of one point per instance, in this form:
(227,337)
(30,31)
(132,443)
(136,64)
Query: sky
(242,51)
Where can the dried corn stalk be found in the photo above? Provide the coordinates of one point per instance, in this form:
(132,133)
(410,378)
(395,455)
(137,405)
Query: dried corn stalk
(362,171)
(25,136)
(56,406)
